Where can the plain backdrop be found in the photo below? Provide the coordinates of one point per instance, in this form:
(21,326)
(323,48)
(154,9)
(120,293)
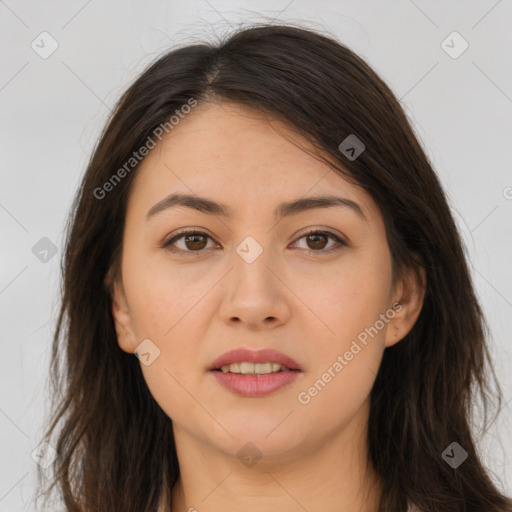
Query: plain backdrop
(52,110)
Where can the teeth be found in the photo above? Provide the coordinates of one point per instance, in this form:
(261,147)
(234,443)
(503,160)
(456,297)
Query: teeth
(253,368)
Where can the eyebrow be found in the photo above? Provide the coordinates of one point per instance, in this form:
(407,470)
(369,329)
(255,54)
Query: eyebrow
(286,209)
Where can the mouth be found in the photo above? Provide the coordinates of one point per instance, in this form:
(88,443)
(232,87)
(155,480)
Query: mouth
(255,374)
(248,368)
(258,362)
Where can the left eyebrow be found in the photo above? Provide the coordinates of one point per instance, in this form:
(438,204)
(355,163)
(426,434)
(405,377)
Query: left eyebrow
(210,207)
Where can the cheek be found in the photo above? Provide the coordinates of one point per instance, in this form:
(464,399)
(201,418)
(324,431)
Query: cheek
(162,294)
(351,341)
(165,308)
(351,295)
(350,303)
(167,305)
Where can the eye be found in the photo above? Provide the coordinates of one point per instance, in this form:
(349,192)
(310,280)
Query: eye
(316,241)
(196,242)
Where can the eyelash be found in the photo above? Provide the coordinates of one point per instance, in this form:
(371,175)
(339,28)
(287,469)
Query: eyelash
(168,244)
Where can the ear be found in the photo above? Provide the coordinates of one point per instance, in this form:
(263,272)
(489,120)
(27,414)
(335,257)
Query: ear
(409,294)
(122,319)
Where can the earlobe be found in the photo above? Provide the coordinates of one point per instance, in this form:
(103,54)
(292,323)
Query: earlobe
(410,295)
(122,319)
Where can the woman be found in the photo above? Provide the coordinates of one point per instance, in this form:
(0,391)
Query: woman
(260,228)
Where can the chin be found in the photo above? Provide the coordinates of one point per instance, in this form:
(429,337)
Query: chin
(266,438)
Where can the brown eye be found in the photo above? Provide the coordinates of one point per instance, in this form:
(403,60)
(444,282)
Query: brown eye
(316,241)
(192,242)
(195,241)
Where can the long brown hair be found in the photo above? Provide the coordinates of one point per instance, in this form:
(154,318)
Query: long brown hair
(115,444)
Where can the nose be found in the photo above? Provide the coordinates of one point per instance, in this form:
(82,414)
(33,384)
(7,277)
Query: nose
(255,294)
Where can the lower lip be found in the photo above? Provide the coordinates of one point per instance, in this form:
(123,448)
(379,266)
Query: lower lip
(255,385)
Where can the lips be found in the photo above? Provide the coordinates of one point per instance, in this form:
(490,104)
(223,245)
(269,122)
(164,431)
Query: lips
(261,356)
(251,385)
(256,386)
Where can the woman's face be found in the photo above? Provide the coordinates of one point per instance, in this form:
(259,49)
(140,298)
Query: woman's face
(255,280)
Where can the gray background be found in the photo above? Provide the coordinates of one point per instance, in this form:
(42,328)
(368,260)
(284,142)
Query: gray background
(53,109)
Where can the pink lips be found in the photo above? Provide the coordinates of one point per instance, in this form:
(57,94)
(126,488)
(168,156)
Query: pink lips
(255,385)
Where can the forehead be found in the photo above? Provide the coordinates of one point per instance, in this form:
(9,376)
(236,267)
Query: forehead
(240,157)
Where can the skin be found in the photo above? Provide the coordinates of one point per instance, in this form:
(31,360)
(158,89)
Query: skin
(310,307)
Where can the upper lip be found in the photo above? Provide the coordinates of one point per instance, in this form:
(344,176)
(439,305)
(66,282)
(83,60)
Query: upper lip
(239,355)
